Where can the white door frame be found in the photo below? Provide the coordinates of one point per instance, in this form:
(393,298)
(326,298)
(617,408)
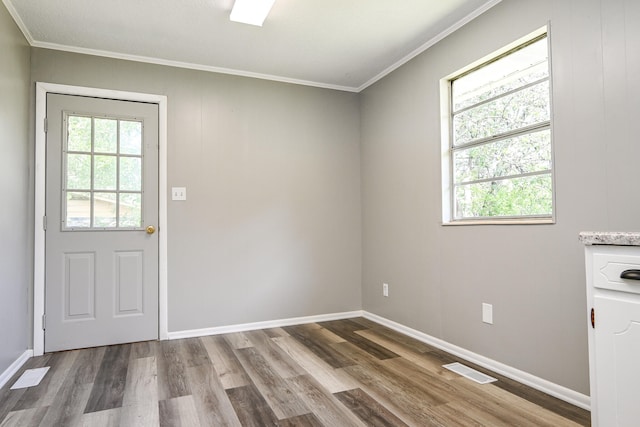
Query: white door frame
(40,179)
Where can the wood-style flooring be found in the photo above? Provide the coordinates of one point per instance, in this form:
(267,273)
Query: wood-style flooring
(341,373)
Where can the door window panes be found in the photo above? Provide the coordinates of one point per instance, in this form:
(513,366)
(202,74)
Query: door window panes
(78,171)
(106,135)
(130,173)
(79,133)
(130,137)
(78,209)
(105,169)
(102,173)
(130,209)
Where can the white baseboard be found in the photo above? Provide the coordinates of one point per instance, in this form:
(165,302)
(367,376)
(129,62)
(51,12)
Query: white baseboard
(14,367)
(578,399)
(263,325)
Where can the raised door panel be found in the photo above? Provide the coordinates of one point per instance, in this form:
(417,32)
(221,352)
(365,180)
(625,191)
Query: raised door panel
(617,348)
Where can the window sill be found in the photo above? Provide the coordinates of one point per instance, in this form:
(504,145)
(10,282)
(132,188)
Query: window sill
(509,221)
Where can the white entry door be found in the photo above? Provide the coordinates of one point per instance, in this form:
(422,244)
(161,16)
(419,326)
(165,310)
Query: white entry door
(101,273)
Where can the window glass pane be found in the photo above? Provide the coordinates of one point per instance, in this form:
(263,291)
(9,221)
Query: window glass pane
(130,174)
(530,195)
(79,133)
(517,110)
(104,210)
(515,70)
(130,210)
(106,135)
(130,137)
(105,172)
(78,210)
(78,171)
(514,156)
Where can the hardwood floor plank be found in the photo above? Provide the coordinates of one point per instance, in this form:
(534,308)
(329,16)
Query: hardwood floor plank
(331,379)
(322,403)
(142,382)
(368,409)
(537,397)
(140,404)
(275,332)
(347,330)
(307,420)
(225,362)
(108,387)
(318,344)
(279,360)
(365,323)
(105,418)
(212,403)
(465,416)
(491,399)
(68,406)
(283,402)
(86,367)
(143,349)
(178,412)
(140,415)
(193,352)
(427,360)
(251,408)
(25,418)
(172,381)
(238,340)
(407,341)
(423,379)
(408,401)
(329,336)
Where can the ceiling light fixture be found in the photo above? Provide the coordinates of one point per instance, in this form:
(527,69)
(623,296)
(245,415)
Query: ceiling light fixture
(252,12)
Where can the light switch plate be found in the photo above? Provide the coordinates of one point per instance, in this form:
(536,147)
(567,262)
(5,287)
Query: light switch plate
(487,313)
(178,193)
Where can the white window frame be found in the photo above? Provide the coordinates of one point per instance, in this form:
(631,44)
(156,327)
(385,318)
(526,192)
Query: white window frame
(447,141)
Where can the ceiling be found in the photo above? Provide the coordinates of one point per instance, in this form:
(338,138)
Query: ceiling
(338,44)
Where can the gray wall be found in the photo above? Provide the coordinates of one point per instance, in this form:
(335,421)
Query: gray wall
(533,275)
(271,226)
(15,246)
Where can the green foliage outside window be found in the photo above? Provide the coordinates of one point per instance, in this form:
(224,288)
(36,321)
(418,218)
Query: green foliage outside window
(500,154)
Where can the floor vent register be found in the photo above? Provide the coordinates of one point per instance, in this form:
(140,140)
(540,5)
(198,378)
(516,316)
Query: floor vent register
(30,378)
(470,373)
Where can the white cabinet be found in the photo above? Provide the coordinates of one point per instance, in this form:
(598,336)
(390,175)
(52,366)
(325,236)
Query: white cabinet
(613,292)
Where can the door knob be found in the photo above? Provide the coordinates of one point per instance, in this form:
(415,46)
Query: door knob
(151,229)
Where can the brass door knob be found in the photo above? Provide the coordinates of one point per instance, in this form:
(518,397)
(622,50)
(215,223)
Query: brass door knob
(151,229)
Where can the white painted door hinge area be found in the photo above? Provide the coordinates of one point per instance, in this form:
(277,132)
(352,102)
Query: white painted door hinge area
(44,322)
(44,223)
(46,125)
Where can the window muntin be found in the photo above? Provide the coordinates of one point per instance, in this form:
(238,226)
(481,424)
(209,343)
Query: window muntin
(102,176)
(500,157)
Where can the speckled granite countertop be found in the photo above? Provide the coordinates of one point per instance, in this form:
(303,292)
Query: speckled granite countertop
(621,238)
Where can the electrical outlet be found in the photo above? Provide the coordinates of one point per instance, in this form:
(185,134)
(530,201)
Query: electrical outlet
(487,313)
(178,193)
(385,290)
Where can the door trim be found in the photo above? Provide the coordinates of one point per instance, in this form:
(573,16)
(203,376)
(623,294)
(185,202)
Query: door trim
(39,204)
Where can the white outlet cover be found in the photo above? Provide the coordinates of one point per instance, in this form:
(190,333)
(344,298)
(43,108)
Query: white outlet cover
(178,193)
(487,313)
